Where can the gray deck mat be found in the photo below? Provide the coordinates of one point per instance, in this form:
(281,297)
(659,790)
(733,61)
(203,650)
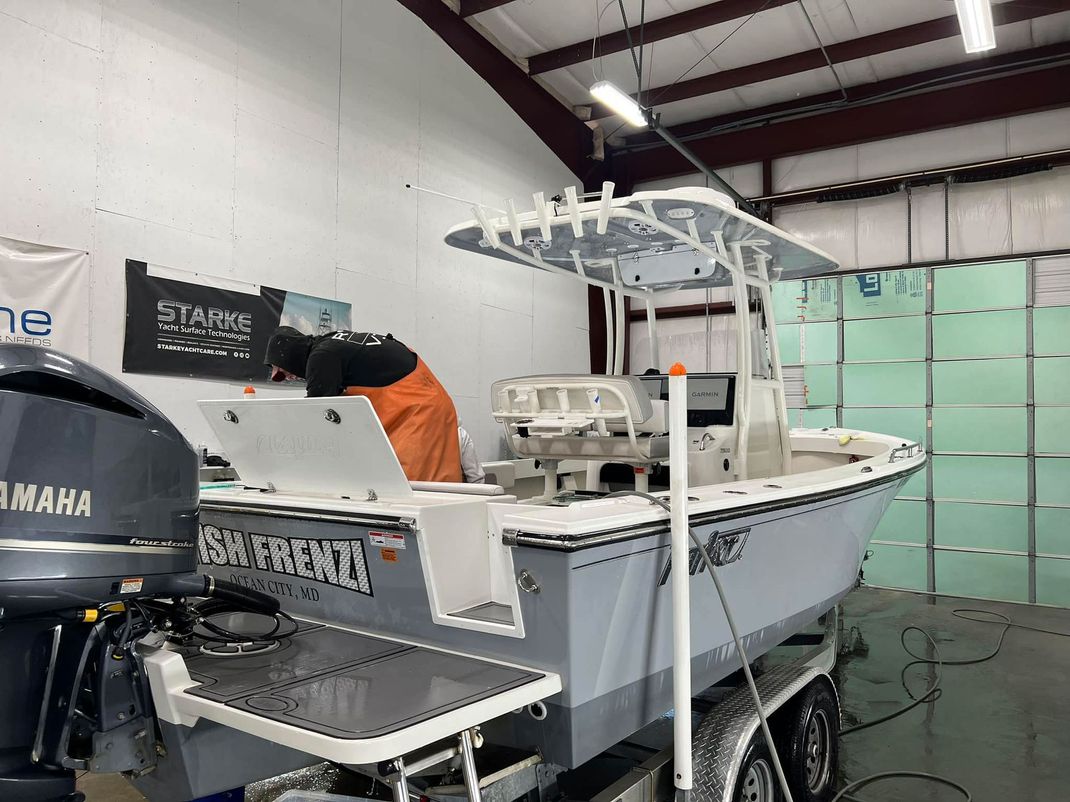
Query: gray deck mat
(350,686)
(308,653)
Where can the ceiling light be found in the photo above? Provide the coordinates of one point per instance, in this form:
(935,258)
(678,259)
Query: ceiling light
(975,20)
(620,102)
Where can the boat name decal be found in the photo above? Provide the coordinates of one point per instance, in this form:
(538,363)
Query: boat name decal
(27,497)
(296,445)
(332,561)
(722,547)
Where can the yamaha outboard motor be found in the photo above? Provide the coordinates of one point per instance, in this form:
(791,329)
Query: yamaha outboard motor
(98,527)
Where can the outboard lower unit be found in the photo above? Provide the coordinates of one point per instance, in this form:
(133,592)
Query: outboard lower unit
(98,524)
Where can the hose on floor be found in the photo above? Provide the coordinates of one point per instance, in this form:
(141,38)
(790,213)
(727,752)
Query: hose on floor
(967,614)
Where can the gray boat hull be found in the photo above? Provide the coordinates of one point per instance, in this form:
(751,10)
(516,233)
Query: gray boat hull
(601,618)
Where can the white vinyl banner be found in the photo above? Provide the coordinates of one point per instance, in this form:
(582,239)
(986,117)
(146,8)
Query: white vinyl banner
(44,296)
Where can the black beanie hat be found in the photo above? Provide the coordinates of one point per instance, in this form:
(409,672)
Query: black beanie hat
(288,349)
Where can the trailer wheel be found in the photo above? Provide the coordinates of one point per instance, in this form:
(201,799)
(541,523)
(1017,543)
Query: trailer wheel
(813,751)
(757,780)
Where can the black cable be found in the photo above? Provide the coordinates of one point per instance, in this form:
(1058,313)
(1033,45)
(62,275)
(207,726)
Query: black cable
(631,47)
(706,55)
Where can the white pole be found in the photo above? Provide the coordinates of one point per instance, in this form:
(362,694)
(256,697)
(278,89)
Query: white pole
(618,341)
(608,299)
(681,601)
(652,333)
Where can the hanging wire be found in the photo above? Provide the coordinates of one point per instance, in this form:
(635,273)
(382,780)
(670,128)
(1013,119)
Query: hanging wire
(651,101)
(597,37)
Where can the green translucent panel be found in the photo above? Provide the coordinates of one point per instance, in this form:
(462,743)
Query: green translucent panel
(915,485)
(1051,330)
(884,338)
(981,478)
(884,384)
(812,299)
(967,287)
(981,526)
(989,576)
(891,292)
(820,382)
(1053,480)
(1001,429)
(807,343)
(1051,380)
(811,418)
(979,334)
(1053,582)
(785,301)
(904,522)
(1052,430)
(897,567)
(1052,530)
(990,381)
(908,423)
(787,338)
(818,342)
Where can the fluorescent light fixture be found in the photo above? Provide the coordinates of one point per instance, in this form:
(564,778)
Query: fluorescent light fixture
(975,20)
(620,102)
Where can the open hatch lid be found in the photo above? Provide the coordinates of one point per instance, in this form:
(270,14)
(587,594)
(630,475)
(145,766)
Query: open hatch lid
(320,446)
(662,240)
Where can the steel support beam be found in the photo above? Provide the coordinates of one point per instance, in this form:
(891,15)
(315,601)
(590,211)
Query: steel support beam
(653,31)
(565,135)
(875,44)
(990,99)
(470,7)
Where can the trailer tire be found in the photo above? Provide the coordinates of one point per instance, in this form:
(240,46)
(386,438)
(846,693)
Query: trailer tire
(813,746)
(757,781)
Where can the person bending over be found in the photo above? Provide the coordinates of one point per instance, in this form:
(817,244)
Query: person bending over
(414,408)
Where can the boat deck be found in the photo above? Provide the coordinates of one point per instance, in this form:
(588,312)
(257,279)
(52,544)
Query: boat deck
(343,695)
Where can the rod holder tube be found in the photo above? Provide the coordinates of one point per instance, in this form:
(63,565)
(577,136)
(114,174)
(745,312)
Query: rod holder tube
(681,599)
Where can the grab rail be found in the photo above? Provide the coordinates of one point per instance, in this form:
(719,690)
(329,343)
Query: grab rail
(904,452)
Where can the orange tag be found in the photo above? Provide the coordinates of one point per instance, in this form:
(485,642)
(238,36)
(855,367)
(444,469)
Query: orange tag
(389,555)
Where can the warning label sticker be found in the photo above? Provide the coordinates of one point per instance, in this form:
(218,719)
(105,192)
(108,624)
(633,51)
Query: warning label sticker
(387,540)
(389,555)
(131,585)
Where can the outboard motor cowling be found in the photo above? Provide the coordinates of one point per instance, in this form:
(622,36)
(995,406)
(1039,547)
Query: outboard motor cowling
(98,504)
(98,490)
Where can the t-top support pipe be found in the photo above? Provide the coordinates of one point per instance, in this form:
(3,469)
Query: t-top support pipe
(681,598)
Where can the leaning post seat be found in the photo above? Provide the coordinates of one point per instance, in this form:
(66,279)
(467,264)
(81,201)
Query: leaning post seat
(581,416)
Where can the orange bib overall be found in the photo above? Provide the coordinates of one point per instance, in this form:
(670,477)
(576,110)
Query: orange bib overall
(421,422)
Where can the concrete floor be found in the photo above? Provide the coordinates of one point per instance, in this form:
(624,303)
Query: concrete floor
(999,728)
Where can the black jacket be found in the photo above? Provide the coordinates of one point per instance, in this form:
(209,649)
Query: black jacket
(331,362)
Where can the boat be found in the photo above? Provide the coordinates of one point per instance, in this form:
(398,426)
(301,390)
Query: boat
(568,583)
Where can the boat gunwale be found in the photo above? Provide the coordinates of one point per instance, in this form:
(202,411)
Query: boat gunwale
(587,540)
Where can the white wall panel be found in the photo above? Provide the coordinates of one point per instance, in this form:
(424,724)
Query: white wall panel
(556,304)
(380,305)
(167,112)
(882,231)
(379,141)
(1040,211)
(75,20)
(284,208)
(288,64)
(1037,133)
(980,219)
(815,169)
(927,224)
(830,226)
(48,128)
(448,339)
(933,149)
(504,350)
